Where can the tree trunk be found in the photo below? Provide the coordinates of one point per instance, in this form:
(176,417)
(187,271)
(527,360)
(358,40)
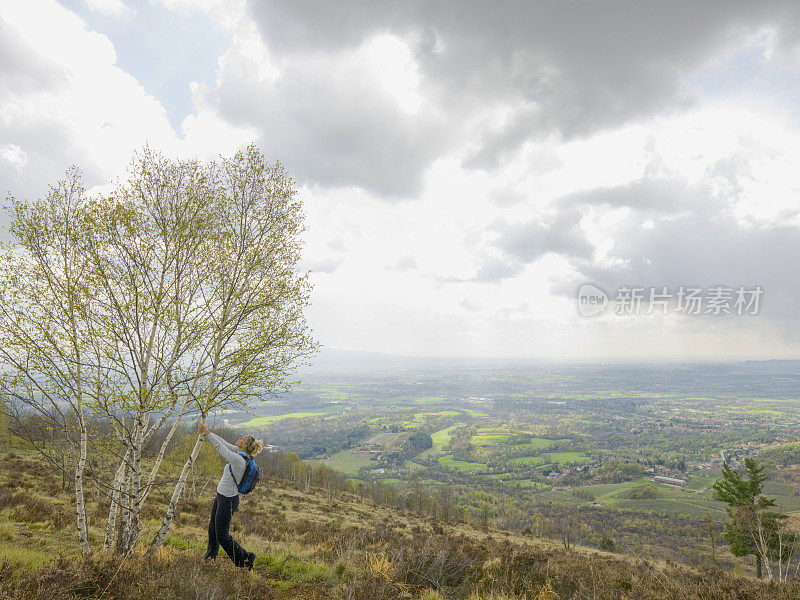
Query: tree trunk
(125,511)
(176,496)
(161,453)
(80,505)
(759,574)
(134,491)
(111,524)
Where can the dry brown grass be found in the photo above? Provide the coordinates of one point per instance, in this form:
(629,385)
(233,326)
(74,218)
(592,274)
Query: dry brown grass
(312,547)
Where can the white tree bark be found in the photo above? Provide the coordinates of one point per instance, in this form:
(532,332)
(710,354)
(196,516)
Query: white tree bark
(176,496)
(134,490)
(108,542)
(125,513)
(160,457)
(80,505)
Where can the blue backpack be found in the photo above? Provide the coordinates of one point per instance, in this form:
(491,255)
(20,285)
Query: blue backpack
(250,477)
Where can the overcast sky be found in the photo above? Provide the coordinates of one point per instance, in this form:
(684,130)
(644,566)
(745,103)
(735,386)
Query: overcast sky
(465,166)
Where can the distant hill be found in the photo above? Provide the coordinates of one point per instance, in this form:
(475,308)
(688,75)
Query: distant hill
(331,359)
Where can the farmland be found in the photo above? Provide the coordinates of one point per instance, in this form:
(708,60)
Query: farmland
(545,440)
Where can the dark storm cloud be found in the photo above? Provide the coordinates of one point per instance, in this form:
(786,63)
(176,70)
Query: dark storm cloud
(527,242)
(694,250)
(703,250)
(493,270)
(560,67)
(694,241)
(645,195)
(332,128)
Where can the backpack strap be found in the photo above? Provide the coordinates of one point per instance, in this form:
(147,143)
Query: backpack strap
(234,476)
(246,464)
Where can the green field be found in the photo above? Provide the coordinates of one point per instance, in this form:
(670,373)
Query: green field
(388,441)
(675,506)
(555,457)
(601,490)
(568,457)
(488,439)
(314,412)
(784,496)
(473,413)
(671,500)
(429,400)
(462,465)
(410,464)
(539,443)
(527,483)
(771,400)
(701,483)
(444,413)
(440,439)
(419,419)
(348,462)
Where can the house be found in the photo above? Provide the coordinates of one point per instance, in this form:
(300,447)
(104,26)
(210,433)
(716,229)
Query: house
(669,480)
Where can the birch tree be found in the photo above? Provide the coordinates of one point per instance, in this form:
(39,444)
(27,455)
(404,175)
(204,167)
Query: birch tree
(147,253)
(176,294)
(253,328)
(46,286)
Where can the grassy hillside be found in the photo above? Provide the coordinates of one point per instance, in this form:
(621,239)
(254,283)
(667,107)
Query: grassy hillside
(313,545)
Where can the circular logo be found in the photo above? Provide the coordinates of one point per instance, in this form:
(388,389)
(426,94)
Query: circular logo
(592,300)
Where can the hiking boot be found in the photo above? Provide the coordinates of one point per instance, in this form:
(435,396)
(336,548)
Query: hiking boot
(248,562)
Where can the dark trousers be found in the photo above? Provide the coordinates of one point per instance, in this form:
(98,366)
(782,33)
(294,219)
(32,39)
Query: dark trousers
(218,526)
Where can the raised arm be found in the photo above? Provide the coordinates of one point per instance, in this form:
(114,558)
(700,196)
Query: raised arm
(224,449)
(227,451)
(231,447)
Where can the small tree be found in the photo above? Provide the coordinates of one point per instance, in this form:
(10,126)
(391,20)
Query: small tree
(178,293)
(752,529)
(45,335)
(252,326)
(711,529)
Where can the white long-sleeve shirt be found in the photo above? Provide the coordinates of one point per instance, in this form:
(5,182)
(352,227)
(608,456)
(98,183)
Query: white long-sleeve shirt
(227,486)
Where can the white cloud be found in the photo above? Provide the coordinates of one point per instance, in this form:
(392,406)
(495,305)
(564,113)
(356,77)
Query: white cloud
(114,8)
(362,117)
(84,109)
(227,13)
(395,70)
(66,101)
(14,155)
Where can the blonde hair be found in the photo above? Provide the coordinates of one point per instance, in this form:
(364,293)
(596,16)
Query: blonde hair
(254,446)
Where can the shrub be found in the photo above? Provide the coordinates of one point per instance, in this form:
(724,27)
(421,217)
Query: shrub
(373,588)
(170,576)
(379,565)
(35,510)
(643,491)
(435,564)
(607,544)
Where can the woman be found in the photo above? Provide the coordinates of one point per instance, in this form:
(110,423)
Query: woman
(227,500)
